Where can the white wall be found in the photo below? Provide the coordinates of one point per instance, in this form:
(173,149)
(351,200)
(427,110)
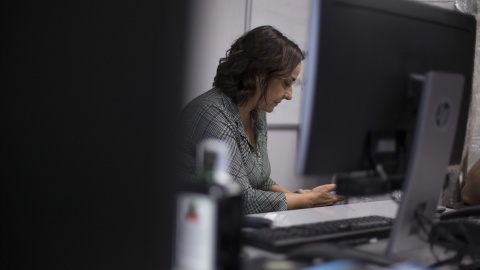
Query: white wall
(282,150)
(214,25)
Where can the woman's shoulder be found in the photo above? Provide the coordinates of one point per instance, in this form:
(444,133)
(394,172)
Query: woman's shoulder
(211,98)
(207,98)
(211,102)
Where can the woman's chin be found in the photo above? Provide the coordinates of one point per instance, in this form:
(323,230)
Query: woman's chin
(269,110)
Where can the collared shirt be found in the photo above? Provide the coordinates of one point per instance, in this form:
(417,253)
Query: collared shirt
(215,115)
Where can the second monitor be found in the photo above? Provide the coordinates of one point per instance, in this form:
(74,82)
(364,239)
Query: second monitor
(386,84)
(366,64)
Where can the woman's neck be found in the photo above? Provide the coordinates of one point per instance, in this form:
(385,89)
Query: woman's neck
(246,115)
(245,111)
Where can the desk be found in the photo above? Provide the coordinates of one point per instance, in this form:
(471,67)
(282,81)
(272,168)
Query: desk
(386,208)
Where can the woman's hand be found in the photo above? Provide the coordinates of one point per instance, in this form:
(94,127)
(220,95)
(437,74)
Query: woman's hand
(306,198)
(322,196)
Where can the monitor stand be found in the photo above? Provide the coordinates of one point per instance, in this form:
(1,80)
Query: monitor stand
(431,149)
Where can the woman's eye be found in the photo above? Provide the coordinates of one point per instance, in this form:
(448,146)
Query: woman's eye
(286,84)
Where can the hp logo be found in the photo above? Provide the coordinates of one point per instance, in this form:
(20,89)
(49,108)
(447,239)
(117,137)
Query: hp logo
(442,114)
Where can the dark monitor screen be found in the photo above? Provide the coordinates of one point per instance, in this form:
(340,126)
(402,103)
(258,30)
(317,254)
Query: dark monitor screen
(388,86)
(365,65)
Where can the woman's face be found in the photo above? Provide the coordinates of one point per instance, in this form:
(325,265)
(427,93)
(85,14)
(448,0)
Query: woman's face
(278,90)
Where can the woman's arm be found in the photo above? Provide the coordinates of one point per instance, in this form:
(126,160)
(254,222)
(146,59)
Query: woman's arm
(471,190)
(319,196)
(277,188)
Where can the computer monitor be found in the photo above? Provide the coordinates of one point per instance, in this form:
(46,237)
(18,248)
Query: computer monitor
(385,84)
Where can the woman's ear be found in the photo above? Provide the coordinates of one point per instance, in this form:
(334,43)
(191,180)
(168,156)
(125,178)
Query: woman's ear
(260,81)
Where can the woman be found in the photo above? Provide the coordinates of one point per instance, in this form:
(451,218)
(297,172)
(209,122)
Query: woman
(255,76)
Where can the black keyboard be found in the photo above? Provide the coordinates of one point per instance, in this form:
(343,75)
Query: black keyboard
(347,231)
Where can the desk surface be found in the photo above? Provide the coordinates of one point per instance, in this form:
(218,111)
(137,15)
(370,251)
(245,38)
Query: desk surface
(387,208)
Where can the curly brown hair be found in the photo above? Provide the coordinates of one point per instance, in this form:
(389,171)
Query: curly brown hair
(262,53)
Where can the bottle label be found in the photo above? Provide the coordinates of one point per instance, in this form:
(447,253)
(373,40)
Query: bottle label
(196,223)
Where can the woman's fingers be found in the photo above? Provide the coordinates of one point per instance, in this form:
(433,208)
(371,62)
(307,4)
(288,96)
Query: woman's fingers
(325,196)
(327,187)
(330,187)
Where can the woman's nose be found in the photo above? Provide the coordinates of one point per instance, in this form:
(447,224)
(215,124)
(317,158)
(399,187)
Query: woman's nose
(288,94)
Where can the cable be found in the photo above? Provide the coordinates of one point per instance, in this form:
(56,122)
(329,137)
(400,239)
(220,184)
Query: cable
(456,259)
(441,236)
(431,245)
(423,223)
